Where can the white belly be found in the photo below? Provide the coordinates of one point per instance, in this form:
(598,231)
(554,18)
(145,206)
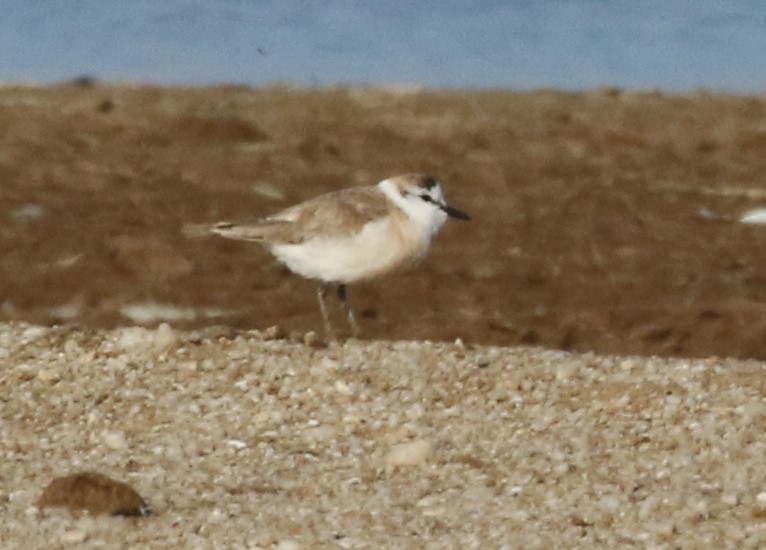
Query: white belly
(381,247)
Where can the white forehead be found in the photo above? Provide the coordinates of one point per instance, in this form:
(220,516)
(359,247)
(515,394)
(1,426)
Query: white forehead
(412,184)
(407,196)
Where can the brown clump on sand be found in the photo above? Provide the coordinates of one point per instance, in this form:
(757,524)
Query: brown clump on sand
(602,220)
(94,493)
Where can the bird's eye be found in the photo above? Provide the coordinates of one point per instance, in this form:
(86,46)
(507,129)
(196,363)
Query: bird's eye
(428,198)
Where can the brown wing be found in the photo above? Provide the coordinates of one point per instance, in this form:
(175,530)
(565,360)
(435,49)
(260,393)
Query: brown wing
(336,214)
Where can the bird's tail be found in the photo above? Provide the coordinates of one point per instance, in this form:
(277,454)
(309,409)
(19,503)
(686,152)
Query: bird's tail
(229,230)
(263,230)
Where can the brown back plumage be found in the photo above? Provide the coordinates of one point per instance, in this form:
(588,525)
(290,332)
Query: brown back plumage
(336,214)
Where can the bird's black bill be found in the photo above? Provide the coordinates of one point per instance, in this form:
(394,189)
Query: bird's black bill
(455,213)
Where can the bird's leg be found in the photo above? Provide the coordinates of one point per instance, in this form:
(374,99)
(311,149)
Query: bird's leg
(348,311)
(329,333)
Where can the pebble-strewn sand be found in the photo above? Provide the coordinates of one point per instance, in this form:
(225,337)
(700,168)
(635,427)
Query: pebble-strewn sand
(238,441)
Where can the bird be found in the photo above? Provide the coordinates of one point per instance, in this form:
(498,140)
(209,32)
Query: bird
(351,235)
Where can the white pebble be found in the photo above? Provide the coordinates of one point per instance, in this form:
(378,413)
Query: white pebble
(132,339)
(115,441)
(701,509)
(320,433)
(311,339)
(217,516)
(165,338)
(72,348)
(565,371)
(49,375)
(664,529)
(329,364)
(427,501)
(237,444)
(289,545)
(343,388)
(32,332)
(609,503)
(74,536)
(413,453)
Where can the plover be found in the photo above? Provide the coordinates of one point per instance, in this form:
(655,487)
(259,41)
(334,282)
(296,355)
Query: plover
(352,235)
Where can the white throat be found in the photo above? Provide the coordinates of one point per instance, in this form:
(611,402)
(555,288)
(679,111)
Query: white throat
(427,215)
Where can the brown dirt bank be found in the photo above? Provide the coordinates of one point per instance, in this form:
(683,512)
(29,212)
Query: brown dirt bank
(591,230)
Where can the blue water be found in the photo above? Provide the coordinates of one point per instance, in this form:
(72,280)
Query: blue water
(674,45)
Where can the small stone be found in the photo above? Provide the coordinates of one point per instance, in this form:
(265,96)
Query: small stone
(311,339)
(74,536)
(728,499)
(289,545)
(322,432)
(187,369)
(115,441)
(661,474)
(165,338)
(343,388)
(701,509)
(131,339)
(71,347)
(609,503)
(565,371)
(237,444)
(25,372)
(413,453)
(760,500)
(94,492)
(665,529)
(217,516)
(427,501)
(274,332)
(49,375)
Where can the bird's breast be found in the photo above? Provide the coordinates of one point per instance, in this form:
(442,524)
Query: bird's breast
(380,247)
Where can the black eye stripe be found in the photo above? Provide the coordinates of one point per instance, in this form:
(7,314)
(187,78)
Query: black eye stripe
(424,198)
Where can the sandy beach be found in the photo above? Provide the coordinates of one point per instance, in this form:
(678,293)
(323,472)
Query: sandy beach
(237,441)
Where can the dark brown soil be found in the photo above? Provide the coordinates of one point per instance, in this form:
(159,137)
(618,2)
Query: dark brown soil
(601,220)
